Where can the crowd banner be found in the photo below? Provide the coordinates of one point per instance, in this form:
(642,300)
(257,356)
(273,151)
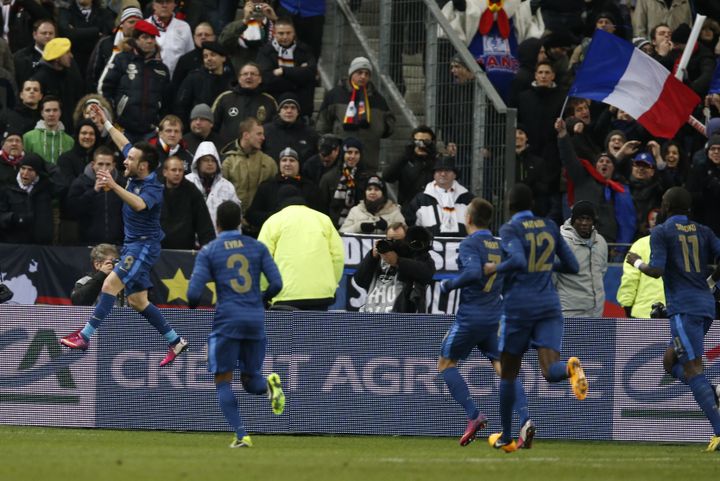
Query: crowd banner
(46,275)
(343,372)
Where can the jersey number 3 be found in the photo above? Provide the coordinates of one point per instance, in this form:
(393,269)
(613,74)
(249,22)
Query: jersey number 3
(690,247)
(545,241)
(242,272)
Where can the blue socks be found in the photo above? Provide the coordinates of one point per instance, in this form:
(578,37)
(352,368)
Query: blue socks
(507,401)
(521,404)
(229,407)
(156,319)
(102,309)
(678,372)
(255,384)
(460,392)
(703,393)
(557,372)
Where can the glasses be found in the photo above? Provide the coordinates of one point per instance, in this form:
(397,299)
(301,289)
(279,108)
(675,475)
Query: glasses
(714,149)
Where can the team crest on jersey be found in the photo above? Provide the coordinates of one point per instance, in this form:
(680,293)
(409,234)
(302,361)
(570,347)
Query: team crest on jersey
(233,111)
(136,191)
(132,71)
(261,114)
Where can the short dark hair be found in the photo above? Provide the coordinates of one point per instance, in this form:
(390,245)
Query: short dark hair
(285,21)
(149,154)
(425,130)
(248,124)
(229,215)
(480,212)
(545,62)
(520,198)
(39,22)
(654,29)
(49,98)
(677,199)
(103,150)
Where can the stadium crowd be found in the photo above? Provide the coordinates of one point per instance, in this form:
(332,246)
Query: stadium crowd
(227,102)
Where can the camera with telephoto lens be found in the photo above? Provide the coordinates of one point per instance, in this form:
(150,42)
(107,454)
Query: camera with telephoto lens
(384,246)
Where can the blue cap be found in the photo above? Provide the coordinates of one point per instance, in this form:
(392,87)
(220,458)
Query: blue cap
(645,158)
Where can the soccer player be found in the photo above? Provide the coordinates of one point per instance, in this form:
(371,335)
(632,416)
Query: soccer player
(533,316)
(478,321)
(142,204)
(234,262)
(681,251)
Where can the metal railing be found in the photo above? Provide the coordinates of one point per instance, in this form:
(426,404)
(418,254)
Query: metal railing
(411,46)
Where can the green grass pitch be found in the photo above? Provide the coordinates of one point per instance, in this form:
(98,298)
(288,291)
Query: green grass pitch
(33,453)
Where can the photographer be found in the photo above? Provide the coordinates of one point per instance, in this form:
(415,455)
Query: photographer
(414,168)
(86,290)
(397,271)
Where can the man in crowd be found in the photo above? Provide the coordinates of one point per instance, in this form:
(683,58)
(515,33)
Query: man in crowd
(11,155)
(27,59)
(289,130)
(414,168)
(201,128)
(87,289)
(319,164)
(169,141)
(85,22)
(174,35)
(48,139)
(25,114)
(193,59)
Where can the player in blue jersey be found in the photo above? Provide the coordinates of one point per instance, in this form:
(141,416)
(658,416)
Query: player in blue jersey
(478,320)
(533,316)
(142,204)
(681,251)
(235,262)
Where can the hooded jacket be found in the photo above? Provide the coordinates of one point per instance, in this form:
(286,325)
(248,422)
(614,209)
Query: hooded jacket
(26,217)
(246,171)
(48,144)
(220,189)
(583,294)
(72,163)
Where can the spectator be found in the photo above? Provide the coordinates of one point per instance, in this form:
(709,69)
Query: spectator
(319,164)
(650,13)
(26,114)
(84,22)
(374,212)
(243,38)
(18,19)
(441,207)
(11,155)
(48,138)
(185,218)
(193,59)
(245,165)
(205,84)
(26,206)
(111,45)
(289,130)
(339,186)
(27,59)
(710,34)
(83,110)
(660,37)
(645,45)
(60,77)
(98,211)
(288,66)
(169,142)
(397,271)
(267,202)
(308,17)
(614,142)
(137,83)
(201,129)
(87,288)
(456,109)
(645,188)
(616,219)
(207,177)
(414,168)
(356,109)
(561,16)
(308,251)
(73,162)
(604,21)
(637,293)
(528,166)
(558,48)
(175,37)
(530,51)
(245,100)
(704,186)
(583,294)
(699,70)
(675,172)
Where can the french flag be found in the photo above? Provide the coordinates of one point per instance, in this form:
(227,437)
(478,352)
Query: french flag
(616,73)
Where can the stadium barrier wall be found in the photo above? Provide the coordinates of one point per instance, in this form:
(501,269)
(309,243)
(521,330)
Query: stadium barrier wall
(348,373)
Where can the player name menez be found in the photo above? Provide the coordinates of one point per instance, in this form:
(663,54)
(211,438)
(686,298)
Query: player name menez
(233,244)
(533,223)
(491,244)
(686,228)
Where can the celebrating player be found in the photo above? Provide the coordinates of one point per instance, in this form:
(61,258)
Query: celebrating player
(478,320)
(142,204)
(681,251)
(533,316)
(234,262)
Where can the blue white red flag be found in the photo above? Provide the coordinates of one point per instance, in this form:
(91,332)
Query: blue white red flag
(715,84)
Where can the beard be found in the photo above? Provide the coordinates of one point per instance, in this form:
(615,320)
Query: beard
(374,206)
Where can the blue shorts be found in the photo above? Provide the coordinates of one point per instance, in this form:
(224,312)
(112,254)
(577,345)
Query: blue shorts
(688,336)
(520,335)
(136,262)
(226,354)
(460,340)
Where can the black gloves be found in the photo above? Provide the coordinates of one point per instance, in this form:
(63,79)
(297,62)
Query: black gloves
(381,224)
(22,219)
(369,227)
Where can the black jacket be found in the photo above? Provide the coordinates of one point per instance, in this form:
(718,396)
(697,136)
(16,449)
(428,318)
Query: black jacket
(185,215)
(26,218)
(84,32)
(187,62)
(26,60)
(412,173)
(99,214)
(234,106)
(23,13)
(265,202)
(20,117)
(200,87)
(87,289)
(99,58)
(66,84)
(280,134)
(298,80)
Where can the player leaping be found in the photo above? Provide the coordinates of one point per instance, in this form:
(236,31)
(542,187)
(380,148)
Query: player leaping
(681,251)
(142,204)
(533,317)
(234,262)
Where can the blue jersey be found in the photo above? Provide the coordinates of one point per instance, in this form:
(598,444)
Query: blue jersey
(480,299)
(530,245)
(683,249)
(235,262)
(144,225)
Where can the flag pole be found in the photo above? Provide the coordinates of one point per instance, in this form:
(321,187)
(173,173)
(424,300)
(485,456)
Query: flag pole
(685,59)
(567,97)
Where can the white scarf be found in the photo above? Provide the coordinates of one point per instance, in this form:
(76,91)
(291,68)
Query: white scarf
(446,208)
(26,188)
(286,56)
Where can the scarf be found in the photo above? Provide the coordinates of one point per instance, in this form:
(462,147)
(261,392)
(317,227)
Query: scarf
(167,149)
(374,206)
(86,11)
(446,208)
(357,112)
(26,188)
(162,26)
(286,55)
(345,191)
(489,17)
(256,32)
(207,183)
(11,159)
